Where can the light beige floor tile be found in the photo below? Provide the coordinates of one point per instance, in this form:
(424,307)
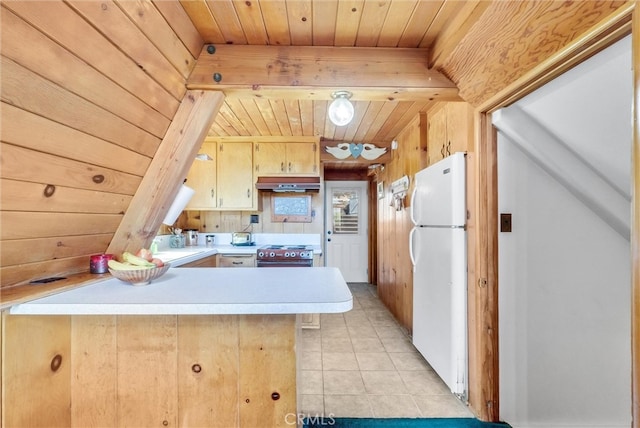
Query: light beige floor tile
(342,382)
(311,382)
(339,361)
(312,404)
(353,406)
(408,361)
(374,361)
(337,331)
(356,317)
(336,344)
(392,344)
(445,406)
(393,406)
(311,343)
(362,331)
(362,364)
(310,360)
(356,305)
(383,383)
(389,331)
(368,304)
(381,317)
(331,319)
(424,382)
(366,344)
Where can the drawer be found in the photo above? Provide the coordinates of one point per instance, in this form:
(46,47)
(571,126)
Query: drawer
(236,260)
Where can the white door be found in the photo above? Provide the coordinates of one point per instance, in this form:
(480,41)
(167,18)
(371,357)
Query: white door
(346,237)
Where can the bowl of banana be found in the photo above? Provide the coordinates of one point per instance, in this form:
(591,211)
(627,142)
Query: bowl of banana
(136,270)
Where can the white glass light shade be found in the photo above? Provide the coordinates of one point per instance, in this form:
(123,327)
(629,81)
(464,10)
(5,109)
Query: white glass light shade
(341,110)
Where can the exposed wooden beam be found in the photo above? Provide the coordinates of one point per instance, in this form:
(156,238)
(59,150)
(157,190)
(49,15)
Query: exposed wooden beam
(167,171)
(608,31)
(314,72)
(455,31)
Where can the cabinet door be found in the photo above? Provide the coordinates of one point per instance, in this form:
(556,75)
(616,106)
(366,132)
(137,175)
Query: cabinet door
(459,123)
(210,261)
(437,135)
(270,158)
(235,175)
(302,158)
(202,179)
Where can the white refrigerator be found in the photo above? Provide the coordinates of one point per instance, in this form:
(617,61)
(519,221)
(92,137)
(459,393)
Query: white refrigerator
(438,250)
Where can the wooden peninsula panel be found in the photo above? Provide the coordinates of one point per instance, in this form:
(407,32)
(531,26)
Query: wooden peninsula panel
(169,370)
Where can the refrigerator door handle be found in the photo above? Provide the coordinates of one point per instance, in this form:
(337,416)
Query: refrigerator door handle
(413,205)
(411,255)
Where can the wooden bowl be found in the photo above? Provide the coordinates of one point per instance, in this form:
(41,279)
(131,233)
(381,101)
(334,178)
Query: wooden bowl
(140,276)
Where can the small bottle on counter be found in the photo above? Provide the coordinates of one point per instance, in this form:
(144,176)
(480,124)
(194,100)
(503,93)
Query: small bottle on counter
(99,263)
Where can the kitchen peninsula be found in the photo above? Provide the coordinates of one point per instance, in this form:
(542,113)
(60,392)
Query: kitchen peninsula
(196,347)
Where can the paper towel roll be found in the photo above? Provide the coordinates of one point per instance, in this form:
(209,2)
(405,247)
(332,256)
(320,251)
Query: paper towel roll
(182,198)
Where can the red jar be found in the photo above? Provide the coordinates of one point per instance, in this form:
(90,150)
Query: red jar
(99,263)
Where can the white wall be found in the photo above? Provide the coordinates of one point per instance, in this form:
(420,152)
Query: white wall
(564,273)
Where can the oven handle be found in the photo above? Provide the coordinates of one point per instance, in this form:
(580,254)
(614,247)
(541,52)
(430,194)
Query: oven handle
(290,263)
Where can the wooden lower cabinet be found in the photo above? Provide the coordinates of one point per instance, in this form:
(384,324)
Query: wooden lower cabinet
(211,261)
(165,371)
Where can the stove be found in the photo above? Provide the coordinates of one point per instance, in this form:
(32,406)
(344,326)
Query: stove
(285,256)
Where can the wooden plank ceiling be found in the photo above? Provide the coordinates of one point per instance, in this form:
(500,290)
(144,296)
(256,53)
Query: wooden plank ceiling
(287,94)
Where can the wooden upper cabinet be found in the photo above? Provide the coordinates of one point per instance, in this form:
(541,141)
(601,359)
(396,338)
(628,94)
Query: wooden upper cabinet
(225,182)
(437,135)
(236,189)
(202,179)
(450,130)
(291,158)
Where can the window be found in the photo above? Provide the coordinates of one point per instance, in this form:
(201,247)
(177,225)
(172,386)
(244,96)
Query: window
(345,211)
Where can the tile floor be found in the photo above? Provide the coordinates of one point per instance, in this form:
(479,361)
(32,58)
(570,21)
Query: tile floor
(362,364)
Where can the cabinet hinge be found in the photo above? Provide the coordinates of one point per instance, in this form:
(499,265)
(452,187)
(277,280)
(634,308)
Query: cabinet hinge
(220,147)
(314,147)
(257,147)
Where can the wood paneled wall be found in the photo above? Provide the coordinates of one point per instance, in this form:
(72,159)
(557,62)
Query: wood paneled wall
(88,92)
(142,371)
(235,221)
(394,276)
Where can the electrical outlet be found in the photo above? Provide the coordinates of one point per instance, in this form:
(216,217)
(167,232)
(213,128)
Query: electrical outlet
(254,219)
(505,222)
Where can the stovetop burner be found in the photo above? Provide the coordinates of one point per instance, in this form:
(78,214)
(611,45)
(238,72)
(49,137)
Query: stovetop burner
(286,247)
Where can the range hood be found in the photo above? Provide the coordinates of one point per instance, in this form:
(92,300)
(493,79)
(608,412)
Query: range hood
(288,184)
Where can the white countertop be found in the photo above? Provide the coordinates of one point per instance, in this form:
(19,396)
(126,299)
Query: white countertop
(206,291)
(181,256)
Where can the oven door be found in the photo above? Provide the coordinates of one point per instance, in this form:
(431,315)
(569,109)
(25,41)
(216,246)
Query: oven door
(288,263)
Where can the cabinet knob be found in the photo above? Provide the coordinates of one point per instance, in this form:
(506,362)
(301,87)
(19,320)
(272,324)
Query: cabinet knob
(281,166)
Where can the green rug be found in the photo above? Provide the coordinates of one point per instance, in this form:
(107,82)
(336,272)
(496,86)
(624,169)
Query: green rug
(330,422)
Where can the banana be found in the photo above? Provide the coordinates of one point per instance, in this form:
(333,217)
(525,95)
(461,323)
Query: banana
(135,260)
(116,265)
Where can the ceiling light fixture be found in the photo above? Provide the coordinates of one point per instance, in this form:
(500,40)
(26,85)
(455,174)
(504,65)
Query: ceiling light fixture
(341,110)
(203,157)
